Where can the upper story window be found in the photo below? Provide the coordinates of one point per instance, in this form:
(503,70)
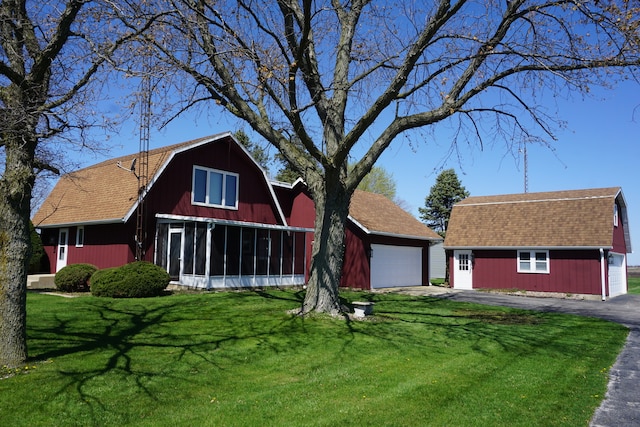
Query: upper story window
(212,187)
(533,261)
(615,214)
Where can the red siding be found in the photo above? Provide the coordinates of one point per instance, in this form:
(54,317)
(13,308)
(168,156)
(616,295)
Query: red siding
(356,270)
(171,194)
(619,244)
(570,271)
(108,245)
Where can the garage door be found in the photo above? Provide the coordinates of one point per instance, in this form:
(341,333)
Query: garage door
(393,266)
(617,275)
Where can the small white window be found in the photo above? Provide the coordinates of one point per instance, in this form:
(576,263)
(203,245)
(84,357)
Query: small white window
(615,215)
(80,237)
(212,187)
(533,261)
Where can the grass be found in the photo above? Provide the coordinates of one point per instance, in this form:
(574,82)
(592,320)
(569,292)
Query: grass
(633,285)
(238,359)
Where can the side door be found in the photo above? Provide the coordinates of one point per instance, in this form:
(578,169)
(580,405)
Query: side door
(462,269)
(63,248)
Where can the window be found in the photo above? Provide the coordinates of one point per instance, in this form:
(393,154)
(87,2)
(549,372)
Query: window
(533,261)
(212,187)
(615,214)
(80,237)
(463,262)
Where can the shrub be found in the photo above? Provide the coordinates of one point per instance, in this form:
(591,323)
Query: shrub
(74,277)
(135,280)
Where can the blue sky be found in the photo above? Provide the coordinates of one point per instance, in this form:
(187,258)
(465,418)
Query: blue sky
(600,147)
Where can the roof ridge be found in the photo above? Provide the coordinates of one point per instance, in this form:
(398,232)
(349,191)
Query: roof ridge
(563,199)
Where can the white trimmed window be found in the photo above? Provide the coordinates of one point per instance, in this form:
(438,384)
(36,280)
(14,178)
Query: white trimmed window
(212,187)
(80,237)
(615,215)
(533,261)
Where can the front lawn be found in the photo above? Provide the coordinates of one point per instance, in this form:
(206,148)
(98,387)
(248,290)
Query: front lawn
(633,285)
(238,359)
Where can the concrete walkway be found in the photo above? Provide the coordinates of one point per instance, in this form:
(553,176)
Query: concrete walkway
(621,406)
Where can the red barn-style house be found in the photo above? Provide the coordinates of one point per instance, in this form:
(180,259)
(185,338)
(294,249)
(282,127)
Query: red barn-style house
(213,219)
(569,242)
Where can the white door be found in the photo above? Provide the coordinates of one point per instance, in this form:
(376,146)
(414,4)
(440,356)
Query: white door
(462,270)
(63,248)
(617,275)
(393,266)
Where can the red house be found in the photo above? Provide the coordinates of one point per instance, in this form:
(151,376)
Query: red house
(569,242)
(213,219)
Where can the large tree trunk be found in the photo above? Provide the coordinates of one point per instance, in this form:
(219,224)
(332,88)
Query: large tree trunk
(15,251)
(332,209)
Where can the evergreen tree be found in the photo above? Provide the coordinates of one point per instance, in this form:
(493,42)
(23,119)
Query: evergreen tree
(446,192)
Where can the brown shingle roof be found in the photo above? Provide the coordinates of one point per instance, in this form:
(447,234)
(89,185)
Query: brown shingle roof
(378,214)
(577,218)
(102,192)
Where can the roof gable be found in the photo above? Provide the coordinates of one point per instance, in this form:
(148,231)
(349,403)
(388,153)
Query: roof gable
(102,193)
(376,214)
(577,218)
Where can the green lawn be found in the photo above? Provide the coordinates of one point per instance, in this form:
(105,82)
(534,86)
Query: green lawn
(634,285)
(238,359)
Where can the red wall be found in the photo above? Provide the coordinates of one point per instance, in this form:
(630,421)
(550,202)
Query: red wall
(570,271)
(104,246)
(619,245)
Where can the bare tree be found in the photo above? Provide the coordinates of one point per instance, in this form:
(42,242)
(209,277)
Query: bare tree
(340,74)
(50,56)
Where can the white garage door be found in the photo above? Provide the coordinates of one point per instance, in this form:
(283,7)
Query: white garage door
(617,275)
(393,266)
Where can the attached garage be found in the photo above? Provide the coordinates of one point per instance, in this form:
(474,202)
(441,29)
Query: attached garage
(617,274)
(393,266)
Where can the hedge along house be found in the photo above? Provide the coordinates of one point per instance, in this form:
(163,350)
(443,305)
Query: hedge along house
(569,242)
(212,218)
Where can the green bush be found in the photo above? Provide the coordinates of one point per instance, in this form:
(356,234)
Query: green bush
(74,277)
(135,280)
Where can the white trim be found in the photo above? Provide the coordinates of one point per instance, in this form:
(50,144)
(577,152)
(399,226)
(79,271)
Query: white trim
(225,174)
(79,231)
(508,248)
(83,223)
(387,234)
(533,261)
(171,217)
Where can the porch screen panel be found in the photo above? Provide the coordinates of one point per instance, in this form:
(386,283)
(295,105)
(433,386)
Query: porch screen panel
(287,253)
(248,251)
(189,231)
(299,250)
(217,250)
(262,252)
(161,245)
(276,252)
(233,251)
(201,249)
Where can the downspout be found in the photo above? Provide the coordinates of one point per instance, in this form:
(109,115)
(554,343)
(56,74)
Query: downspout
(604,290)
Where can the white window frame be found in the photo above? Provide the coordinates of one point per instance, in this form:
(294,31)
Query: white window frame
(615,215)
(80,236)
(224,174)
(532,261)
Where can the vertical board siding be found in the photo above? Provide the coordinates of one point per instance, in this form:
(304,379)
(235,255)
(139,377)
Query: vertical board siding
(570,271)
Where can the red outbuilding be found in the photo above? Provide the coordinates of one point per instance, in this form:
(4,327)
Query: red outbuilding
(568,242)
(213,219)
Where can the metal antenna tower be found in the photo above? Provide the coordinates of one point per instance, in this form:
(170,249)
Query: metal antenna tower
(143,157)
(526,172)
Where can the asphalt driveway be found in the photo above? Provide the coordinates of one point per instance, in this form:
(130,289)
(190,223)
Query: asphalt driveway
(621,406)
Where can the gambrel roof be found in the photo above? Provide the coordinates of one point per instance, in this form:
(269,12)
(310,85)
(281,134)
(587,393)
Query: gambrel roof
(104,193)
(558,219)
